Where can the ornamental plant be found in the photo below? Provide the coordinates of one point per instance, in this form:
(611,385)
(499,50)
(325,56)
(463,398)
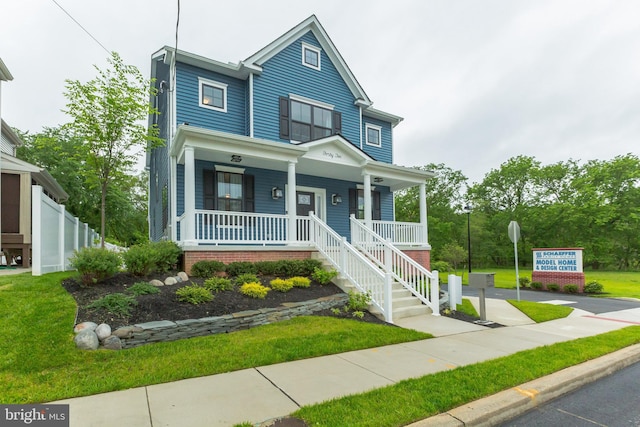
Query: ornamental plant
(142,288)
(207,268)
(247,278)
(323,276)
(593,287)
(218,284)
(117,303)
(194,294)
(254,290)
(281,285)
(95,264)
(300,282)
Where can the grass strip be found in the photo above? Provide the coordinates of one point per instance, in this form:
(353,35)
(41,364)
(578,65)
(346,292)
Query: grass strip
(467,308)
(412,400)
(40,362)
(540,312)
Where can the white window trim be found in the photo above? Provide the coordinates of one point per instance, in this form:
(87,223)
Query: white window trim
(318,51)
(231,169)
(294,97)
(223,86)
(368,126)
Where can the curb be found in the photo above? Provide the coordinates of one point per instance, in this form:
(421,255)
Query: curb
(508,404)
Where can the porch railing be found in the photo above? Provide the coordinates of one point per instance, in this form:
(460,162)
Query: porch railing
(414,277)
(353,265)
(225,227)
(401,233)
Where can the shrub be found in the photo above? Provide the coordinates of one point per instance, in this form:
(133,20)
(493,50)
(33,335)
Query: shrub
(524,281)
(218,284)
(207,268)
(254,290)
(359,314)
(570,289)
(118,304)
(536,285)
(167,254)
(140,260)
(309,265)
(194,294)
(95,264)
(143,288)
(322,276)
(593,287)
(241,267)
(441,266)
(281,285)
(266,268)
(300,282)
(358,301)
(246,278)
(553,287)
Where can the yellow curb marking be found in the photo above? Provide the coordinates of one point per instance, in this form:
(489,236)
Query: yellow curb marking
(450,366)
(531,394)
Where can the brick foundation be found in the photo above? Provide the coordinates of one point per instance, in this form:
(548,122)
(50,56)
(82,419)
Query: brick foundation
(421,256)
(233,255)
(547,277)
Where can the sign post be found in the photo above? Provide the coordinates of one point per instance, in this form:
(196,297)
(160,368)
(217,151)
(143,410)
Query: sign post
(514,236)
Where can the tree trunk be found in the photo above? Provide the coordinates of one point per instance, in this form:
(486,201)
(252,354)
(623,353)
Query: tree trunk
(103,212)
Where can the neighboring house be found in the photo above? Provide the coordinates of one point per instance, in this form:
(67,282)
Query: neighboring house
(17,178)
(280,156)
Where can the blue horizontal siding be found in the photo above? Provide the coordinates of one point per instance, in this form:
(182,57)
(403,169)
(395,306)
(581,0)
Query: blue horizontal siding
(284,74)
(188,103)
(384,153)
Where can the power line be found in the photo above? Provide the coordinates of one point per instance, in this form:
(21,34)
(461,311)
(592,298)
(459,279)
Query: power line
(80,25)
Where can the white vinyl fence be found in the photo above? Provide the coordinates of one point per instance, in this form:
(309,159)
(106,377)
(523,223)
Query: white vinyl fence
(55,234)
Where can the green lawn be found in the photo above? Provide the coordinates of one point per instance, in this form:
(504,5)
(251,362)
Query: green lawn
(539,312)
(616,283)
(40,363)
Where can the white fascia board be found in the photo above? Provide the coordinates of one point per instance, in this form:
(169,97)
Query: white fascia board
(402,177)
(231,143)
(381,115)
(45,179)
(10,134)
(239,71)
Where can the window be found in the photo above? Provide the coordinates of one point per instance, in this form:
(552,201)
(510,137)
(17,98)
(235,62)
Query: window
(310,56)
(302,121)
(213,95)
(356,204)
(373,135)
(228,191)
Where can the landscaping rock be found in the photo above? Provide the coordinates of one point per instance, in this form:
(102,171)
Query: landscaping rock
(170,281)
(103,331)
(127,331)
(85,326)
(112,343)
(86,340)
(183,276)
(178,279)
(156,282)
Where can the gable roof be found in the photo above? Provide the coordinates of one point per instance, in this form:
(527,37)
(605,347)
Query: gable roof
(311,24)
(4,72)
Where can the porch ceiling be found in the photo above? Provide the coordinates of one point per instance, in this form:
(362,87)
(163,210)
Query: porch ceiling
(332,157)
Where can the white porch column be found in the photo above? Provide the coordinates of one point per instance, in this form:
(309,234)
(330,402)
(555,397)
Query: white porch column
(188,235)
(367,200)
(423,213)
(291,202)
(173,206)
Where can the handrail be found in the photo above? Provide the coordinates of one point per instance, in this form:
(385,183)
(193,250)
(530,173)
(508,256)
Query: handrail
(406,271)
(352,265)
(401,233)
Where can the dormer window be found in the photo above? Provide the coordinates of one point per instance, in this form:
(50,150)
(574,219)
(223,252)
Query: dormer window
(213,95)
(374,135)
(310,56)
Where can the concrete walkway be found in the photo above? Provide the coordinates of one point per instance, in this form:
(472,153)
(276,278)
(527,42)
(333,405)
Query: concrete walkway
(264,393)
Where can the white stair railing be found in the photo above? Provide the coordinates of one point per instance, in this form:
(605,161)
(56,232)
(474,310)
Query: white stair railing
(352,265)
(421,282)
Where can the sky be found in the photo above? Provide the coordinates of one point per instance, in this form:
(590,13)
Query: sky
(476,81)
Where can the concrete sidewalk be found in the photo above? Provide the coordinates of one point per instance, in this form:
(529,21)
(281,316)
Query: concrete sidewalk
(267,392)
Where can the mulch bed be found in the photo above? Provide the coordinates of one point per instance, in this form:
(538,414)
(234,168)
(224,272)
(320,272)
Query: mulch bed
(165,305)
(458,315)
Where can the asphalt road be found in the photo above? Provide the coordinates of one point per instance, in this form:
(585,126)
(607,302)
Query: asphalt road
(595,305)
(613,401)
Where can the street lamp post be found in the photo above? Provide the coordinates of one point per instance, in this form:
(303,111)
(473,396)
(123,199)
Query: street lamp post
(467,209)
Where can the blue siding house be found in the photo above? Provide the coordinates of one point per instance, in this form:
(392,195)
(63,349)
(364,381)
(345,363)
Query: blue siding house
(262,155)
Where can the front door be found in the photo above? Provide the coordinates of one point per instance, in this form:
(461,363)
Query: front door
(305,203)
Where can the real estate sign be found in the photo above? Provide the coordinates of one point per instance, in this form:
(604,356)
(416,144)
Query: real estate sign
(558,260)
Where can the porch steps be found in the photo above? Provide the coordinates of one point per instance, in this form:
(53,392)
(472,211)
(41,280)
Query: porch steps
(404,303)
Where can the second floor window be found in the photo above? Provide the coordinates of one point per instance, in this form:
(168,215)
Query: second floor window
(213,95)
(302,122)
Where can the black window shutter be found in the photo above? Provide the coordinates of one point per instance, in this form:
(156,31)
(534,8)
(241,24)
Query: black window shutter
(337,122)
(208,180)
(376,213)
(249,193)
(284,118)
(353,202)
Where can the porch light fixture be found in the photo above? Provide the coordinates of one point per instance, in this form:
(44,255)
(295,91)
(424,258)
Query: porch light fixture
(236,158)
(377,179)
(336,199)
(276,193)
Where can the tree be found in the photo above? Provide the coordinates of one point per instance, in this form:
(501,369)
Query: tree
(108,114)
(454,254)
